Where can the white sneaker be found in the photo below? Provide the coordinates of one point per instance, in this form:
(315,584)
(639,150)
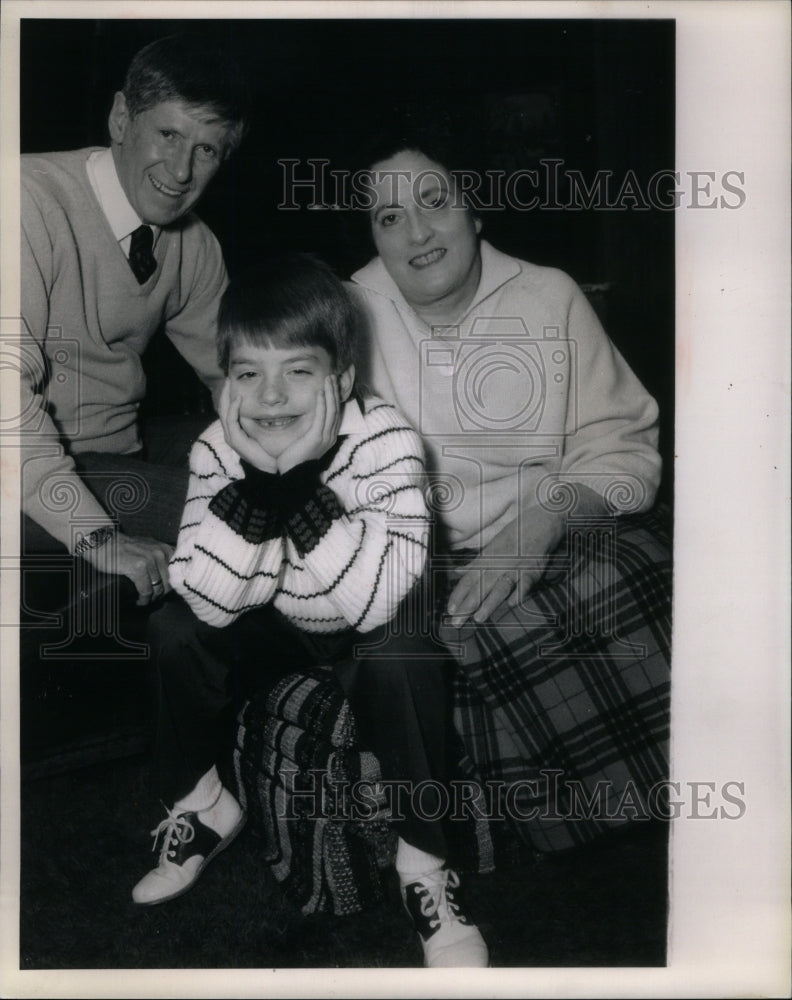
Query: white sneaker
(449,939)
(188,845)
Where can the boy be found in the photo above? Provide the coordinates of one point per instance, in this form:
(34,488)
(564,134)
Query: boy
(305,525)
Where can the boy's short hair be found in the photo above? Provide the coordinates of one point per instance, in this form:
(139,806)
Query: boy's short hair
(192,68)
(291,300)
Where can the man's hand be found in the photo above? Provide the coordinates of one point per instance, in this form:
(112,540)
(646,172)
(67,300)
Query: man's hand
(238,432)
(143,560)
(323,432)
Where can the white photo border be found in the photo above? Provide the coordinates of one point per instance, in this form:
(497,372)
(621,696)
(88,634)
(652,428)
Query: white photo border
(729,932)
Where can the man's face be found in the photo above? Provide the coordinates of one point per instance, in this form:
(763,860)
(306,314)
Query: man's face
(166,156)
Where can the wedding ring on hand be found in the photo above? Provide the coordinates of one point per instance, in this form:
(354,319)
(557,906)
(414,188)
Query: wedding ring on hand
(157,583)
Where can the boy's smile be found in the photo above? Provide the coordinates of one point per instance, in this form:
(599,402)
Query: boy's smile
(279,388)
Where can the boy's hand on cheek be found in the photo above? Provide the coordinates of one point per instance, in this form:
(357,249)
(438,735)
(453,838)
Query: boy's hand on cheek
(240,433)
(323,432)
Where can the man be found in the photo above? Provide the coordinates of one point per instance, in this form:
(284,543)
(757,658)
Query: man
(111,252)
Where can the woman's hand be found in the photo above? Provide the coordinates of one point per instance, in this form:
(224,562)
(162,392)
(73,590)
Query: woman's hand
(238,434)
(520,552)
(507,568)
(323,432)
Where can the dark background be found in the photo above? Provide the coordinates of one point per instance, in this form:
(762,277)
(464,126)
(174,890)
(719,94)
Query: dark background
(597,94)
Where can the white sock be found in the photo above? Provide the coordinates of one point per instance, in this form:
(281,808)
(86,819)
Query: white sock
(205,793)
(412,861)
(219,809)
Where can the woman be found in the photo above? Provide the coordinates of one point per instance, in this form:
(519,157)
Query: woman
(543,456)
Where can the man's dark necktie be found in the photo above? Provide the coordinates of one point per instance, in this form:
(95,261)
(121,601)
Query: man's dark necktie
(141,259)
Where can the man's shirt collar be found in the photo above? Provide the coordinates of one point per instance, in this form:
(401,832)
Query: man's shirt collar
(102,174)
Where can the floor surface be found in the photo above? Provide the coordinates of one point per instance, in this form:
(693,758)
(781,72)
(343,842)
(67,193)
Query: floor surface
(85,841)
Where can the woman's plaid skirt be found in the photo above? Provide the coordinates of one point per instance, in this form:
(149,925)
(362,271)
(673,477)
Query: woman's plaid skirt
(563,704)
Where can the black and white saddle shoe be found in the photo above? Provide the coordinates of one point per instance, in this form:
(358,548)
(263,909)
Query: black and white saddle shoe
(188,845)
(448,937)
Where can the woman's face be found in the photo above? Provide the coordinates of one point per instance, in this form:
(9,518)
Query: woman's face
(426,238)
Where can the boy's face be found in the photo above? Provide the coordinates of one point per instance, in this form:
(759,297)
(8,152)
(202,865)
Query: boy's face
(279,387)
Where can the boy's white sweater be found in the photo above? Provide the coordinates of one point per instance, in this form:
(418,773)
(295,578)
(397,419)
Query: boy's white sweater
(333,544)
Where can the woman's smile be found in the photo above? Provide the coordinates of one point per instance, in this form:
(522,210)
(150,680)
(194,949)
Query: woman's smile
(425,259)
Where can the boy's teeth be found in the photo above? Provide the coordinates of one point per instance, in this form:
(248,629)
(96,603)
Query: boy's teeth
(276,422)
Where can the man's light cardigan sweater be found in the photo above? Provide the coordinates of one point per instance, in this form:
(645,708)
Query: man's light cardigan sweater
(524,391)
(88,322)
(333,544)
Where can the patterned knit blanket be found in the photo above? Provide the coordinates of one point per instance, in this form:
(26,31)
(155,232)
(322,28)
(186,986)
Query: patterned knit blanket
(312,794)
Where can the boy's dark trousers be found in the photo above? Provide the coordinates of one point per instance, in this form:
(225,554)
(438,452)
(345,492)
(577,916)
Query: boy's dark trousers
(395,680)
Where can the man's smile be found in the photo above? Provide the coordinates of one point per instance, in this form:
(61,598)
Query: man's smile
(163,189)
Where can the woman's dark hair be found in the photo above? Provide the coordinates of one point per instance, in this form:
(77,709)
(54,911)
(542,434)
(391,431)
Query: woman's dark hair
(192,68)
(442,134)
(291,300)
(446,133)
